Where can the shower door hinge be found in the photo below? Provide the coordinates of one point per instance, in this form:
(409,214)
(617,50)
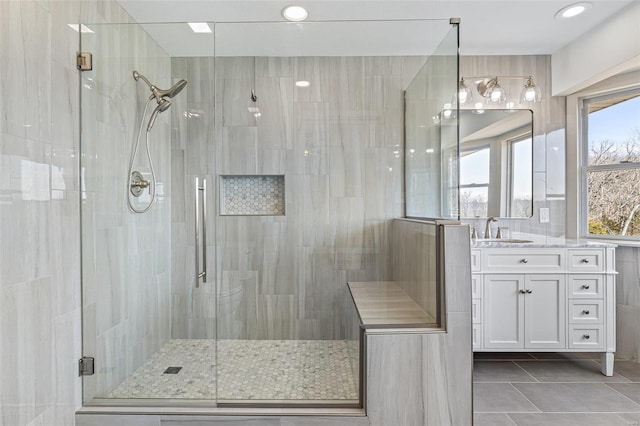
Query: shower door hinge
(85,366)
(84,61)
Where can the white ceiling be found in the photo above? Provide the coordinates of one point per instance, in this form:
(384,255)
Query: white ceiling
(500,27)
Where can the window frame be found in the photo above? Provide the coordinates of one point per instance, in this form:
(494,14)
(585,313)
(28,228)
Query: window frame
(475,149)
(576,191)
(510,167)
(585,167)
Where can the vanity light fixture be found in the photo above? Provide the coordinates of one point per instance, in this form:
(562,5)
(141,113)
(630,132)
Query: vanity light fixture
(572,10)
(295,13)
(464,93)
(200,27)
(302,83)
(489,87)
(530,92)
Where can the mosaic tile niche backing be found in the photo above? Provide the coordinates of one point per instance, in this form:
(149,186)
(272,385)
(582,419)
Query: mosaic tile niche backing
(252,195)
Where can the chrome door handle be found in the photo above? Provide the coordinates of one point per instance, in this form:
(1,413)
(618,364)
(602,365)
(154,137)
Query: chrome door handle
(204,230)
(586,336)
(529,291)
(200,209)
(525,260)
(522,291)
(585,260)
(585,286)
(585,312)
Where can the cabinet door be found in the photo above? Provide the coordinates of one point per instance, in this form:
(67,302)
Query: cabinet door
(545,311)
(503,311)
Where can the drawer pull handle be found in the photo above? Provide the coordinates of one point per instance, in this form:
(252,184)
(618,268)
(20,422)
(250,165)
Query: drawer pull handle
(522,291)
(586,336)
(585,286)
(585,312)
(524,260)
(529,291)
(585,260)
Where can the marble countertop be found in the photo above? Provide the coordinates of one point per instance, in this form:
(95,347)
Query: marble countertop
(384,304)
(538,241)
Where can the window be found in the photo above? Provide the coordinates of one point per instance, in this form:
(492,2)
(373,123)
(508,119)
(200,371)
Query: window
(611,165)
(474,182)
(520,176)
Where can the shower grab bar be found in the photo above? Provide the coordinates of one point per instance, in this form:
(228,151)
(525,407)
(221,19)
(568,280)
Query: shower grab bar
(198,212)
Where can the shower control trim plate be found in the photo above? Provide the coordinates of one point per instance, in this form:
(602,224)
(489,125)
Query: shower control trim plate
(86,366)
(138,184)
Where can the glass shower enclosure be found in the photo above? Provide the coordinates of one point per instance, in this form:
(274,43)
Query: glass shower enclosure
(267,183)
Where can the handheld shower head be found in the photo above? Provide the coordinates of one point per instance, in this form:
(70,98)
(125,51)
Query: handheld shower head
(173,90)
(163,105)
(159,93)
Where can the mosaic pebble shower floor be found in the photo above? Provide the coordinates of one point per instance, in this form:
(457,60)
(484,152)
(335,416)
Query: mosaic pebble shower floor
(248,370)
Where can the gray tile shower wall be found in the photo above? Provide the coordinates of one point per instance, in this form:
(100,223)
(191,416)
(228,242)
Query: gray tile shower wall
(39,208)
(548,137)
(416,274)
(338,144)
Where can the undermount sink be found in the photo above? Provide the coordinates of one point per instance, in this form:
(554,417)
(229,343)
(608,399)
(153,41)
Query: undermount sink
(503,240)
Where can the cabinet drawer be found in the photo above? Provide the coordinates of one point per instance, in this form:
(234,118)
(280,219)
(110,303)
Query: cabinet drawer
(524,260)
(476,311)
(586,286)
(588,337)
(476,286)
(585,311)
(476,336)
(585,260)
(476,256)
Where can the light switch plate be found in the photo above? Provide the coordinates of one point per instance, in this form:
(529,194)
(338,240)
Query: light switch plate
(544,215)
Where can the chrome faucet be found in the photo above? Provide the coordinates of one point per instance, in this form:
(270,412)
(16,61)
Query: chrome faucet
(487,229)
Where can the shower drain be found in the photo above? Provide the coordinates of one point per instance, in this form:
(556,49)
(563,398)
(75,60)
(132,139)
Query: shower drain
(172,370)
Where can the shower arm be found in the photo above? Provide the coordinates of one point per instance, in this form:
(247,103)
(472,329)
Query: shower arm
(154,90)
(137,76)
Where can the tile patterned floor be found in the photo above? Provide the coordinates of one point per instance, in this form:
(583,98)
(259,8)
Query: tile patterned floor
(248,370)
(196,380)
(554,389)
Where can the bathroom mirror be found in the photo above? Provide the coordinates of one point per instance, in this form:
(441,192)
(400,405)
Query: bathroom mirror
(496,163)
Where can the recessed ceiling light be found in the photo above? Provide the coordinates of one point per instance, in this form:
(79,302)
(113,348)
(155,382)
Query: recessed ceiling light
(200,27)
(303,83)
(572,10)
(295,13)
(82,28)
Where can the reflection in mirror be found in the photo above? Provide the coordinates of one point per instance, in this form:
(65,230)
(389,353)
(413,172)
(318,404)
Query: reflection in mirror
(496,163)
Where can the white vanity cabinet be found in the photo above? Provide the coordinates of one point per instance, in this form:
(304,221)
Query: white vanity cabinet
(524,311)
(544,299)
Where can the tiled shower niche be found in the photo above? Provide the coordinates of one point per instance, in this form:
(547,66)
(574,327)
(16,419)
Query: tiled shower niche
(252,195)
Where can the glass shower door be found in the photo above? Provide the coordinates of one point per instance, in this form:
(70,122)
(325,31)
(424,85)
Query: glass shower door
(148,327)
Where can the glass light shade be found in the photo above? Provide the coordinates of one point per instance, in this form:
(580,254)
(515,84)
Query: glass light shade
(464,93)
(530,92)
(497,94)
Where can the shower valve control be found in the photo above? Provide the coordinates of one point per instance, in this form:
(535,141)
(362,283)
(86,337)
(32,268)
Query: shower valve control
(138,184)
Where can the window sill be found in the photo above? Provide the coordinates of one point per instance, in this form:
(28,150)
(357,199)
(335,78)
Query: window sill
(619,243)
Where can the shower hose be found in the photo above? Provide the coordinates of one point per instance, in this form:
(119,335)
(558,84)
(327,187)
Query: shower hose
(152,185)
